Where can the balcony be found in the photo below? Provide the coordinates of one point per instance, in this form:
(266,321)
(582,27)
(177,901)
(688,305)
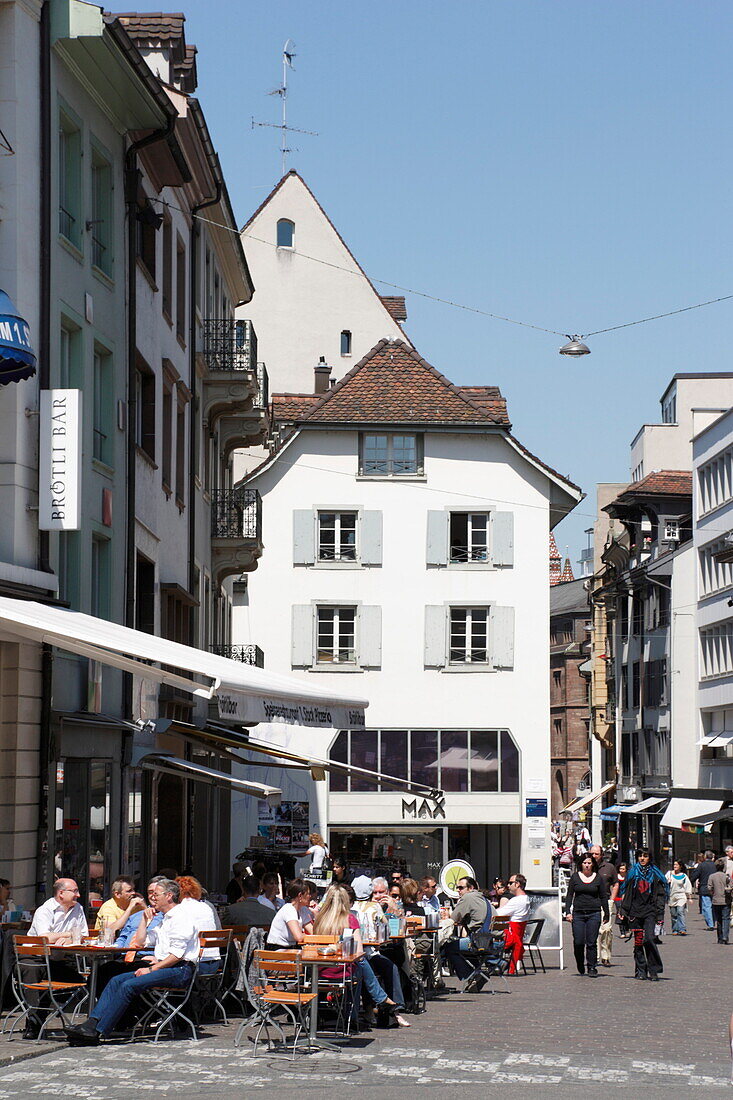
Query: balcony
(230,386)
(251,428)
(247,654)
(236,531)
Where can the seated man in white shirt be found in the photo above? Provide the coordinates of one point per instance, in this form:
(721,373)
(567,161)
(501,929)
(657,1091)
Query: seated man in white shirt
(171,964)
(517,908)
(61,917)
(61,920)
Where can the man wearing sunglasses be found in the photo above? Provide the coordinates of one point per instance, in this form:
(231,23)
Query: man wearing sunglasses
(470,912)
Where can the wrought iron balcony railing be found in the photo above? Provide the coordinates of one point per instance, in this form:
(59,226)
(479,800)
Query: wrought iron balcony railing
(230,345)
(236,514)
(263,387)
(247,654)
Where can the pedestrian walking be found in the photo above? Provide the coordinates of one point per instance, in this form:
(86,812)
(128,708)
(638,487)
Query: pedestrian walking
(621,919)
(680,893)
(699,877)
(643,900)
(586,899)
(719,885)
(609,874)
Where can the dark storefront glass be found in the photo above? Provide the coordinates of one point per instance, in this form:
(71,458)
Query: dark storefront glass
(454,760)
(393,755)
(424,747)
(484,761)
(509,763)
(363,755)
(339,781)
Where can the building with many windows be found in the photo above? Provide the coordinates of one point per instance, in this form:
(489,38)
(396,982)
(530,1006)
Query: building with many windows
(407,535)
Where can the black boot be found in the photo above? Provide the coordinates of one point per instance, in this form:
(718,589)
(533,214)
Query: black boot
(579,951)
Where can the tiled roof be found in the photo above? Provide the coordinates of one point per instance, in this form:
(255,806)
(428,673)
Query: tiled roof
(567,573)
(272,194)
(395,307)
(487,397)
(554,552)
(393,384)
(664,482)
(289,407)
(152,24)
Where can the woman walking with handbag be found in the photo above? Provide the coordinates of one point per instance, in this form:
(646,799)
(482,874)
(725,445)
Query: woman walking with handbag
(720,894)
(680,892)
(587,896)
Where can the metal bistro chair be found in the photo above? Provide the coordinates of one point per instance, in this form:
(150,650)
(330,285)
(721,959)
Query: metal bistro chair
(270,970)
(208,987)
(532,933)
(33,960)
(168,1003)
(490,956)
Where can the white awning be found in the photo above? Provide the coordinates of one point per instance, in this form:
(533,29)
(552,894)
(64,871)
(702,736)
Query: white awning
(244,693)
(716,740)
(586,799)
(680,809)
(175,765)
(641,807)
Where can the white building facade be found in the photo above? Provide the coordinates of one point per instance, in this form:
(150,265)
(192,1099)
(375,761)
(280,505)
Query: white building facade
(406,533)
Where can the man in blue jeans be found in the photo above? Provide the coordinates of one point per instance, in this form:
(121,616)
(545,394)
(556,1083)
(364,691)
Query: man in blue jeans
(172,963)
(700,875)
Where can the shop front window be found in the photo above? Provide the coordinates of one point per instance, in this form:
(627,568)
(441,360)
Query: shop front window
(485,761)
(81,848)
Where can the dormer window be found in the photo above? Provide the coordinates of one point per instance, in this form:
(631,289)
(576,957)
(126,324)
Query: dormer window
(285,233)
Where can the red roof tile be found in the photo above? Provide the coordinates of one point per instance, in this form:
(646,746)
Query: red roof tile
(393,384)
(664,482)
(152,24)
(395,306)
(289,407)
(487,397)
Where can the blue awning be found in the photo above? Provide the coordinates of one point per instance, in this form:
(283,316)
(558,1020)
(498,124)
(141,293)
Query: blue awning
(17,360)
(610,813)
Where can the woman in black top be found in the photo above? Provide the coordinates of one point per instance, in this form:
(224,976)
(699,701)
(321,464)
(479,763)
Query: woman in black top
(587,896)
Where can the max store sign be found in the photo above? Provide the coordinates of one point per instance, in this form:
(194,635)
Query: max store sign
(421,808)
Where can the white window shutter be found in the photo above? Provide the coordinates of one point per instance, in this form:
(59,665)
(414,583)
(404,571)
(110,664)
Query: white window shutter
(370,534)
(502,538)
(304,537)
(435,636)
(437,553)
(302,638)
(370,637)
(502,637)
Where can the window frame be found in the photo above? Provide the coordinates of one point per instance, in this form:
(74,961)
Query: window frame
(469,610)
(291,224)
(145,410)
(102,405)
(70,178)
(337,609)
(338,558)
(469,513)
(388,474)
(102,206)
(345,342)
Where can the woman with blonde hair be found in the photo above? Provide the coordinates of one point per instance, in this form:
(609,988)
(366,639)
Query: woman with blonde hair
(318,851)
(335,918)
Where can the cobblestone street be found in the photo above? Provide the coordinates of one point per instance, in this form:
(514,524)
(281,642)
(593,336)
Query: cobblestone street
(556,1032)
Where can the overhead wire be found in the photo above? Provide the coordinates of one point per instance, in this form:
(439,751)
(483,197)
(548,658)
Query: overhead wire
(438,298)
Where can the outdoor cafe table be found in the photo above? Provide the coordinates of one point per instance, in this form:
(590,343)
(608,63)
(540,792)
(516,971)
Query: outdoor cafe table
(96,954)
(309,957)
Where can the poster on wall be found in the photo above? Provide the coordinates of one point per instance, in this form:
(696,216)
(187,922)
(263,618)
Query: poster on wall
(284,826)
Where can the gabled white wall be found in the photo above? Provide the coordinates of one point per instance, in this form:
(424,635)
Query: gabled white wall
(300,307)
(319,470)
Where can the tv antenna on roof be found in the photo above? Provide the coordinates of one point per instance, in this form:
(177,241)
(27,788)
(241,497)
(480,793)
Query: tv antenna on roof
(287,59)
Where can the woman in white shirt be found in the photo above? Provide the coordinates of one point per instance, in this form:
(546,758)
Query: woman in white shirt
(318,851)
(293,920)
(270,888)
(202,916)
(680,892)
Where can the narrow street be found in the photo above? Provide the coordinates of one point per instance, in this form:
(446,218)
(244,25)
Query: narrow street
(558,1032)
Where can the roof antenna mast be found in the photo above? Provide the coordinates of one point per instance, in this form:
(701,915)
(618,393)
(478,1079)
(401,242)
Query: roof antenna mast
(288,55)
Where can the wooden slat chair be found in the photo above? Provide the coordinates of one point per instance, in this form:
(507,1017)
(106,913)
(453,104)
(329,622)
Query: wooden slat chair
(208,989)
(33,960)
(270,970)
(233,981)
(335,993)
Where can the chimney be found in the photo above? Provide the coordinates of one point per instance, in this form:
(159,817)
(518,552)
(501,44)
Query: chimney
(322,372)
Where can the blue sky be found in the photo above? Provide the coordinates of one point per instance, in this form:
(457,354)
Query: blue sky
(562,162)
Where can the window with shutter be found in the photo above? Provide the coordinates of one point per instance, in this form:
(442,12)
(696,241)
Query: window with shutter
(303,537)
(502,637)
(370,539)
(435,636)
(302,636)
(437,538)
(370,637)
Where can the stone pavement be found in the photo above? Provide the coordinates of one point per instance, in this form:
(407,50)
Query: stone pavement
(556,1033)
